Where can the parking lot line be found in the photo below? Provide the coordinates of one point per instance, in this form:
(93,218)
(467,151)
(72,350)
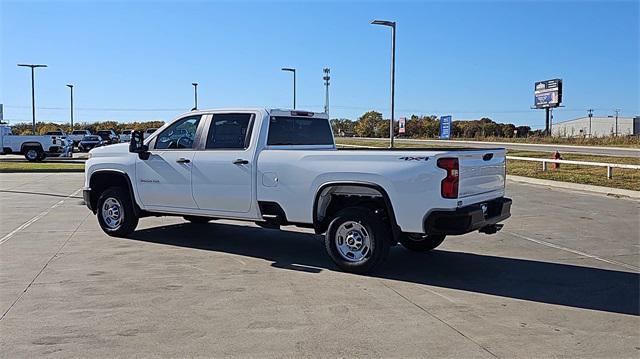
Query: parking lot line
(36,218)
(544,243)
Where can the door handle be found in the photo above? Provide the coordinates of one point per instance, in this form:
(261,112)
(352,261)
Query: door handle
(183,160)
(240,161)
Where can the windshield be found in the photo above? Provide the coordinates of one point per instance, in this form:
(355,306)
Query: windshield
(299,131)
(91,138)
(126,132)
(79,132)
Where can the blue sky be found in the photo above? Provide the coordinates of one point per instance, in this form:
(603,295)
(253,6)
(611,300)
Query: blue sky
(136,60)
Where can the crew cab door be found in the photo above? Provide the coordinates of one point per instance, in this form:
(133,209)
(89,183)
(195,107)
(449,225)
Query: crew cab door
(222,171)
(164,179)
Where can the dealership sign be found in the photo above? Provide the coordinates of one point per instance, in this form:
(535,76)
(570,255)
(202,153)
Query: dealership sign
(445,127)
(402,124)
(548,93)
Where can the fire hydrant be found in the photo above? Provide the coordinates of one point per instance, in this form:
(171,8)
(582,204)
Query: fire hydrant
(556,156)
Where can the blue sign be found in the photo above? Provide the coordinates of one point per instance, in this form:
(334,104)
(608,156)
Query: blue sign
(445,127)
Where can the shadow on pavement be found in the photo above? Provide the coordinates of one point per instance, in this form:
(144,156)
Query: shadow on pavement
(40,194)
(544,282)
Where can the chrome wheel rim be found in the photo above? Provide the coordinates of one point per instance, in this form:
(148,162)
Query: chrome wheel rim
(353,241)
(32,154)
(112,213)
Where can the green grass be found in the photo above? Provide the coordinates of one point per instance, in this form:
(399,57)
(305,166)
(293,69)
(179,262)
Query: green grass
(7,167)
(622,178)
(620,141)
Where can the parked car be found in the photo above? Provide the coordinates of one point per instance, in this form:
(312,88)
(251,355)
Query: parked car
(125,135)
(281,167)
(34,148)
(77,135)
(90,142)
(149,131)
(109,136)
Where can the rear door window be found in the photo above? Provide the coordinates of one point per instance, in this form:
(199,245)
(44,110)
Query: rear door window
(299,131)
(230,131)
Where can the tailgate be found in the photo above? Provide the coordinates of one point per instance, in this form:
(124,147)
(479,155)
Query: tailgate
(481,171)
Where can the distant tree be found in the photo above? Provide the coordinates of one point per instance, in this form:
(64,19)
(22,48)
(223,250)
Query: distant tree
(367,124)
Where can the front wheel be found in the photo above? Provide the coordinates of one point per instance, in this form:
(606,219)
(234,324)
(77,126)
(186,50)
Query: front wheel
(420,243)
(115,212)
(357,240)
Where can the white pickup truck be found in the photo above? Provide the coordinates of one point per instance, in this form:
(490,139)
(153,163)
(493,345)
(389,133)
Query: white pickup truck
(282,167)
(34,148)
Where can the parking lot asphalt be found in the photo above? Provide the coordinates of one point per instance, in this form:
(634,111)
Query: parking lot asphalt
(560,280)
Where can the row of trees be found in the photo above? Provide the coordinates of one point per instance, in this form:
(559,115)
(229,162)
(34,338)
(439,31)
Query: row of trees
(44,127)
(371,124)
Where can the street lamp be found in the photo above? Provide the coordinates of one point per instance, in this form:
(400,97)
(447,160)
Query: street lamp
(33,92)
(294,83)
(392,25)
(195,96)
(71,88)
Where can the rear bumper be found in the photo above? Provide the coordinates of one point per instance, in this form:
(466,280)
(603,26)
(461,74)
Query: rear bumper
(468,219)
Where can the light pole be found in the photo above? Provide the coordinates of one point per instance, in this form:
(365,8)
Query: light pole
(33,92)
(294,83)
(195,96)
(71,88)
(392,25)
(326,79)
(617,112)
(590,116)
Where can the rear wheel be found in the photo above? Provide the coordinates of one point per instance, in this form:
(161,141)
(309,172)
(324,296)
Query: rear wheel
(197,219)
(115,212)
(33,154)
(420,243)
(357,240)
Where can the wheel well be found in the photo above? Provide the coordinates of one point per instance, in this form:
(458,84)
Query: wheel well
(104,179)
(27,145)
(332,198)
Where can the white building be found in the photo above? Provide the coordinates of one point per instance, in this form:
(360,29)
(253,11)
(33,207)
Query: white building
(598,126)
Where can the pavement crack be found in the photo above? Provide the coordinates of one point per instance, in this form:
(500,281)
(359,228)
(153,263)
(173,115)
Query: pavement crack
(44,267)
(438,319)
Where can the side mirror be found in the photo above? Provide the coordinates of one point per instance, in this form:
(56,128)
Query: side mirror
(136,145)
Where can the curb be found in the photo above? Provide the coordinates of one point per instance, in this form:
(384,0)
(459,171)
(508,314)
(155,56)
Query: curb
(42,170)
(617,192)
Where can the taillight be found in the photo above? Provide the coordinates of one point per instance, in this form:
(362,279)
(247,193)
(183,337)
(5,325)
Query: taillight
(449,185)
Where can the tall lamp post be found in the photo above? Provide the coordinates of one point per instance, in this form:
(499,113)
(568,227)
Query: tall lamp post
(195,96)
(326,79)
(71,113)
(294,83)
(33,92)
(392,25)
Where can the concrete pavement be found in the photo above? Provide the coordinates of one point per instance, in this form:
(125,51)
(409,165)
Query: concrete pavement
(561,280)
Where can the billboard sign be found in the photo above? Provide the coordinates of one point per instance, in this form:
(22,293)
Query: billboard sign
(445,127)
(548,93)
(402,124)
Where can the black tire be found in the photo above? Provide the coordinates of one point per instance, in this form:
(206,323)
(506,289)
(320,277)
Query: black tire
(197,219)
(370,225)
(33,154)
(420,243)
(128,222)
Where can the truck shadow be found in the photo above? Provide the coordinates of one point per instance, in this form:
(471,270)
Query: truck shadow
(544,282)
